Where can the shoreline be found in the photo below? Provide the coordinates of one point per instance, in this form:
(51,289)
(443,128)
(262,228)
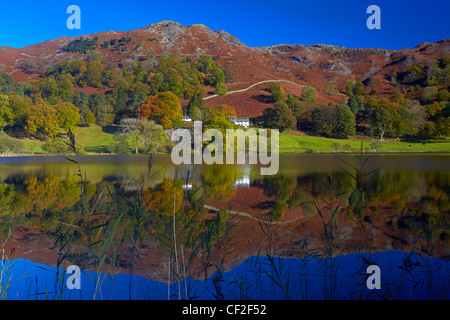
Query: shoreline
(11,155)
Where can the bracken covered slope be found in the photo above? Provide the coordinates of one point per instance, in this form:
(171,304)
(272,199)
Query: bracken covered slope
(316,65)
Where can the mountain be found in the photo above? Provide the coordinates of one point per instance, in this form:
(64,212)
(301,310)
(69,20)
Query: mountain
(317,65)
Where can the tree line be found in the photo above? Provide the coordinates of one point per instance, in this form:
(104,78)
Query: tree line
(419,108)
(151,88)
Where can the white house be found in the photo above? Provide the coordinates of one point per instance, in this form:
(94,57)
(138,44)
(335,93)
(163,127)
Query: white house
(187,119)
(241,122)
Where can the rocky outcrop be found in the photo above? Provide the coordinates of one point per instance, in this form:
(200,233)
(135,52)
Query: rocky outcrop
(225,36)
(337,67)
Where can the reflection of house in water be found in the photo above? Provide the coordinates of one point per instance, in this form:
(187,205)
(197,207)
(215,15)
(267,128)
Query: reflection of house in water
(187,186)
(242,182)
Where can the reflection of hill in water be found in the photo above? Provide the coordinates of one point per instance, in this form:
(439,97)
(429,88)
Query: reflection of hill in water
(260,278)
(226,215)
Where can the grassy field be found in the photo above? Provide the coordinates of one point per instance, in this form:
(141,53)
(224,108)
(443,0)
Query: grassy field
(94,139)
(299,144)
(97,139)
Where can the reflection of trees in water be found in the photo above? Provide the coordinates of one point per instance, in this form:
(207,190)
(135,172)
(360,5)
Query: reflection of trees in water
(218,182)
(426,193)
(419,202)
(112,223)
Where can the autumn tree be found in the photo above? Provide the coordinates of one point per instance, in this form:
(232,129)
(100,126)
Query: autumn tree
(225,110)
(164,108)
(217,118)
(93,76)
(6,114)
(42,118)
(399,98)
(277,92)
(89,118)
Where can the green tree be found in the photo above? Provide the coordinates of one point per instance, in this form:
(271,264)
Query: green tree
(195,114)
(358,88)
(47,87)
(217,118)
(335,146)
(195,102)
(56,146)
(205,64)
(347,147)
(173,84)
(349,88)
(6,80)
(428,131)
(345,122)
(121,100)
(138,88)
(19,106)
(217,77)
(64,82)
(277,92)
(156,82)
(68,116)
(221,89)
(6,113)
(296,106)
(309,94)
(8,144)
(429,94)
(356,104)
(323,120)
(399,98)
(382,117)
(280,117)
(443,95)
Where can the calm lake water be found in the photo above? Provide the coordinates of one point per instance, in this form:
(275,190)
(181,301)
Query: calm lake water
(141,229)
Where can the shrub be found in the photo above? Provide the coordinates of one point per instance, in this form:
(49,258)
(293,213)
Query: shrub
(59,146)
(82,45)
(8,144)
(277,92)
(309,94)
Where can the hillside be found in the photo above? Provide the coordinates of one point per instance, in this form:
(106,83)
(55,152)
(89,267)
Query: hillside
(316,65)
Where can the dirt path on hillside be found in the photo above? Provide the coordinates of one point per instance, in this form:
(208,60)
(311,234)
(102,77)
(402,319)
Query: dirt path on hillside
(254,85)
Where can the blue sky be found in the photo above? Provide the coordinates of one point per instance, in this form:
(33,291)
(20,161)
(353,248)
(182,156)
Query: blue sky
(404,24)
